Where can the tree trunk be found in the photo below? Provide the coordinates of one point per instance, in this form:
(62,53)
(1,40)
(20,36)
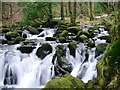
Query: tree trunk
(91,10)
(50,17)
(70,12)
(62,11)
(74,17)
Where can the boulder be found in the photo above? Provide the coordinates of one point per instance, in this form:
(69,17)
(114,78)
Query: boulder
(50,38)
(72,47)
(44,50)
(32,30)
(62,66)
(74,29)
(11,35)
(26,49)
(100,49)
(91,43)
(18,39)
(65,82)
(82,38)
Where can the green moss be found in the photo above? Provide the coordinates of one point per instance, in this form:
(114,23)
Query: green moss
(67,81)
(74,29)
(100,48)
(114,84)
(72,47)
(108,69)
(64,33)
(62,39)
(11,35)
(44,50)
(32,30)
(18,39)
(81,38)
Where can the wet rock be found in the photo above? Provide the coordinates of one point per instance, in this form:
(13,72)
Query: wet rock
(91,43)
(66,81)
(5,30)
(62,66)
(108,39)
(11,35)
(100,49)
(63,36)
(2,41)
(50,39)
(82,38)
(72,47)
(24,35)
(17,40)
(74,29)
(26,49)
(44,50)
(32,30)
(103,37)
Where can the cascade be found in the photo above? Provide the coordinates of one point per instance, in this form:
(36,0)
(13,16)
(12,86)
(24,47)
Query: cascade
(20,70)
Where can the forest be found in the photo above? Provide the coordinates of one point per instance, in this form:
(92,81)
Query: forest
(60,45)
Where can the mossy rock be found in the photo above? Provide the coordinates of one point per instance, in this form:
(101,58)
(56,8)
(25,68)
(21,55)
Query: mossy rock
(91,43)
(114,84)
(67,81)
(5,30)
(93,27)
(32,30)
(74,29)
(62,40)
(72,47)
(18,39)
(26,49)
(108,69)
(44,50)
(11,35)
(90,84)
(108,39)
(100,49)
(62,27)
(82,38)
(2,41)
(64,33)
(86,33)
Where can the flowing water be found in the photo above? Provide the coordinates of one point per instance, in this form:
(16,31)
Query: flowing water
(20,70)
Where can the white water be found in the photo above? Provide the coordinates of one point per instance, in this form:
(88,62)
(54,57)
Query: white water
(29,71)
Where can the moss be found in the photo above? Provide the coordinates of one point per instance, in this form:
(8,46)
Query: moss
(60,53)
(81,38)
(72,47)
(64,33)
(74,29)
(5,30)
(32,30)
(108,69)
(18,39)
(67,81)
(100,48)
(62,39)
(93,28)
(86,33)
(90,84)
(44,50)
(115,84)
(11,35)
(91,44)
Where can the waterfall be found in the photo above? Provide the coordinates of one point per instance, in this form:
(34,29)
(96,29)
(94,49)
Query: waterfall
(20,70)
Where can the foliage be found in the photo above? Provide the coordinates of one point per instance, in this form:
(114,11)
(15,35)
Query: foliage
(34,10)
(67,81)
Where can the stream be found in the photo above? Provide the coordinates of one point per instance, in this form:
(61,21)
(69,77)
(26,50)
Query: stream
(21,70)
